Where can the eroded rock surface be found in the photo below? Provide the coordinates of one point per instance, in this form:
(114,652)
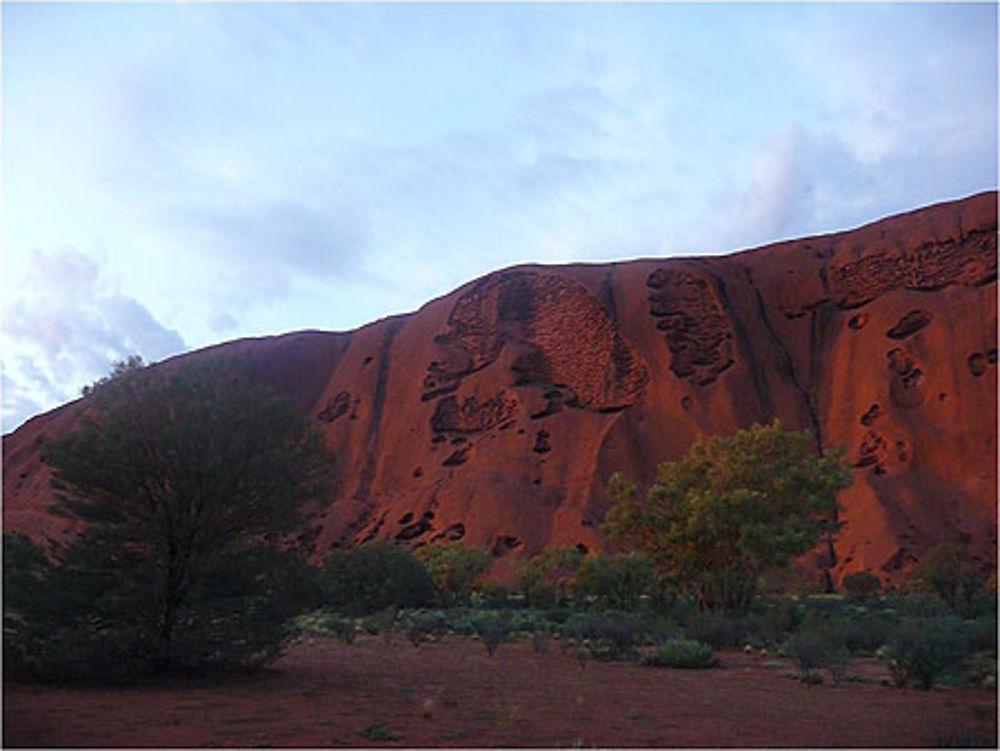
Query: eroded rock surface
(496,414)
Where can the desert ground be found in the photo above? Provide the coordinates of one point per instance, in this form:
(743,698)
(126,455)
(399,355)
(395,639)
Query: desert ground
(450,693)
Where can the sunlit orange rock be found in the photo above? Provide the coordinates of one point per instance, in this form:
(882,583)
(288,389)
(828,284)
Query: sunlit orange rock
(495,415)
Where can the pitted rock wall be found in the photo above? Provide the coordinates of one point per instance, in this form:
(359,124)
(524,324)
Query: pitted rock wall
(495,415)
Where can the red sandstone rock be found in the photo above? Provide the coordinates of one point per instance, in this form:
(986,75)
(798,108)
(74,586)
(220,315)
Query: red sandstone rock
(495,415)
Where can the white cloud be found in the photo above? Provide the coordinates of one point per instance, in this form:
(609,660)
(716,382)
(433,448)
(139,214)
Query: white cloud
(258,169)
(66,328)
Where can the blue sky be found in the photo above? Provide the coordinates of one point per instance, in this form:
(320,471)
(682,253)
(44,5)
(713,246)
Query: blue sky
(175,175)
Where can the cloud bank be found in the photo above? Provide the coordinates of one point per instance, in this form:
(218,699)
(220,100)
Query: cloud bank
(253,169)
(69,323)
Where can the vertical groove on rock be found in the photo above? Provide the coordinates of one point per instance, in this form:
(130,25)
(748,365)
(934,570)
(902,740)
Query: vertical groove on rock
(608,292)
(788,363)
(378,404)
(765,406)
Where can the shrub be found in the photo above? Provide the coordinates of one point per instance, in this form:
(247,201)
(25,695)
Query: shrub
(180,476)
(663,593)
(546,578)
(372,577)
(557,615)
(540,641)
(424,626)
(495,596)
(921,649)
(344,629)
(616,583)
(866,634)
(947,571)
(492,631)
(861,585)
(682,653)
(772,620)
(982,633)
(717,629)
(923,605)
(607,636)
(381,622)
(79,626)
(454,568)
(732,510)
(813,652)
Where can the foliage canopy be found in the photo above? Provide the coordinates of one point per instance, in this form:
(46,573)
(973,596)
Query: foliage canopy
(733,508)
(185,476)
(374,576)
(453,568)
(546,577)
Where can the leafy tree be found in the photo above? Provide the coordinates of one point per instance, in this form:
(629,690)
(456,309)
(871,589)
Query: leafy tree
(861,584)
(733,508)
(186,476)
(453,568)
(372,577)
(547,576)
(947,571)
(125,367)
(616,583)
(921,649)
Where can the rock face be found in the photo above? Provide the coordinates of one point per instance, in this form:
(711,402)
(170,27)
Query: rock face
(495,415)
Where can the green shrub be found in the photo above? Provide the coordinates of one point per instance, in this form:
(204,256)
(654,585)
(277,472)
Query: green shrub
(608,636)
(813,652)
(617,583)
(664,593)
(949,572)
(718,629)
(81,626)
(772,620)
(865,634)
(923,605)
(494,596)
(372,577)
(982,633)
(735,508)
(540,641)
(682,653)
(426,625)
(557,615)
(921,649)
(344,629)
(547,577)
(492,631)
(454,569)
(380,622)
(180,477)
(861,585)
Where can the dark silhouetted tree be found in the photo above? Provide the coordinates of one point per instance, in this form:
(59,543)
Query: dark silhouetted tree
(187,477)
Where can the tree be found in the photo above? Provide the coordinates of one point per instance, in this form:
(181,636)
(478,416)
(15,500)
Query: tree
(861,585)
(547,576)
(732,509)
(616,583)
(187,476)
(948,571)
(122,368)
(454,568)
(374,576)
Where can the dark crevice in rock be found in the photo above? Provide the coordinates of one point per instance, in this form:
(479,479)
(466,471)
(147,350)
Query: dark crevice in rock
(378,406)
(787,363)
(910,324)
(765,408)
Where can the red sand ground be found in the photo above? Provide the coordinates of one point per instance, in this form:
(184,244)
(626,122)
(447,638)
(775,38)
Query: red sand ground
(324,693)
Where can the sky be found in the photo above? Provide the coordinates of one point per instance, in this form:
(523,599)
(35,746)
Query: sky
(176,175)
